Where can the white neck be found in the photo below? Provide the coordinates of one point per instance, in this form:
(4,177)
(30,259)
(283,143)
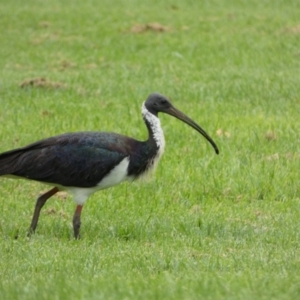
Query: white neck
(154,123)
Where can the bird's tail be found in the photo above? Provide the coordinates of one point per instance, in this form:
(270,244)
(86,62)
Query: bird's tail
(9,161)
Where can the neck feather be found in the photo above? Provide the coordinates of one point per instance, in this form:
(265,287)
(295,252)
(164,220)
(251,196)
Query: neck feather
(154,127)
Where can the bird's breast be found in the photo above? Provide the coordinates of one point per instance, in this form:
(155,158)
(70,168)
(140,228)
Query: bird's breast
(151,163)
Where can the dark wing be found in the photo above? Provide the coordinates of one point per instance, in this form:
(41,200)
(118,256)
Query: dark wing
(74,159)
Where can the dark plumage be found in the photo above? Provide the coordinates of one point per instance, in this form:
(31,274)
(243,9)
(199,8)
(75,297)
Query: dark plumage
(73,159)
(85,162)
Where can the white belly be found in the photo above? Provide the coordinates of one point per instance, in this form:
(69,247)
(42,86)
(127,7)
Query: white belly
(114,177)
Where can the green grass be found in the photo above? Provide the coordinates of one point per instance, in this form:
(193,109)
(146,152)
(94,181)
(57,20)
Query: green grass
(206,226)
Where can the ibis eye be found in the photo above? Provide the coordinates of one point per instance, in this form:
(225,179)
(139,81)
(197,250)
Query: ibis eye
(163,101)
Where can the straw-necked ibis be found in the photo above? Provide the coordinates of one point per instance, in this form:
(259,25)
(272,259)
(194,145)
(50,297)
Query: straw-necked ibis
(85,162)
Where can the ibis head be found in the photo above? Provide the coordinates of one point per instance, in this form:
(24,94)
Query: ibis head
(158,103)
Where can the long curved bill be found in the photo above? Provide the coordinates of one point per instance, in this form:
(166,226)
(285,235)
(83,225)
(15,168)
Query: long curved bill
(184,118)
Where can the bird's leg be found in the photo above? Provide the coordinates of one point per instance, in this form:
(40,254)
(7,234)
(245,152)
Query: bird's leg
(38,206)
(76,221)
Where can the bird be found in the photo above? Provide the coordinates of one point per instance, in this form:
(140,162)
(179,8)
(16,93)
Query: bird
(83,163)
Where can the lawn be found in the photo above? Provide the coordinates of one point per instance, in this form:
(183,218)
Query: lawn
(205,226)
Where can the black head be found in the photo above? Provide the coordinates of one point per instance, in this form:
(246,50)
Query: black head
(156,103)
